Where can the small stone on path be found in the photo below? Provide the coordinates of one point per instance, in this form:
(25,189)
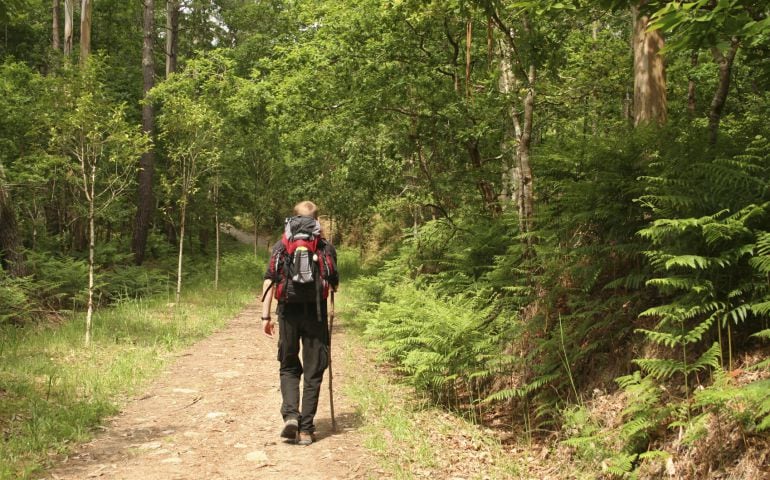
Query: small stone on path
(184,390)
(150,445)
(215,414)
(257,456)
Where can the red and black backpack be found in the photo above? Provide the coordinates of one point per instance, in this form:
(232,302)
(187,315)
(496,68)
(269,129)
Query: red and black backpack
(305,264)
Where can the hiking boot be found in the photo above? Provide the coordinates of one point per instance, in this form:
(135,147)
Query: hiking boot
(305,438)
(290,428)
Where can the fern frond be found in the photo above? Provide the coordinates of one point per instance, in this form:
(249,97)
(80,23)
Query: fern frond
(711,358)
(763,334)
(660,368)
(671,284)
(621,464)
(695,262)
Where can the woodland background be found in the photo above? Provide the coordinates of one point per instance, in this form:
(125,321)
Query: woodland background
(562,206)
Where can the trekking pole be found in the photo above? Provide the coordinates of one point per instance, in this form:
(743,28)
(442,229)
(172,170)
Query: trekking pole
(331,375)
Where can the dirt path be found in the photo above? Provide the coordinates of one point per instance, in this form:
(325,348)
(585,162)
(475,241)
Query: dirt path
(245,237)
(213,414)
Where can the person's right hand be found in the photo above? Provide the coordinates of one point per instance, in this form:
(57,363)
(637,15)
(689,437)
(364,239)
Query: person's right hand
(268,327)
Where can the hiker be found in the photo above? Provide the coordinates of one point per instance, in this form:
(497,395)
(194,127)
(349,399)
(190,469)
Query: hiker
(302,269)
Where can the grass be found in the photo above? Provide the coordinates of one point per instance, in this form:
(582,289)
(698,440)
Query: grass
(54,391)
(410,437)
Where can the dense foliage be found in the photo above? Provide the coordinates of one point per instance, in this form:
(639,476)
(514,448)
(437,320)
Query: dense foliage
(535,239)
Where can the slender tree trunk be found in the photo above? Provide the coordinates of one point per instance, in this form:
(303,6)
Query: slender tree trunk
(725,63)
(181,248)
(691,103)
(91,242)
(627,107)
(172,35)
(525,195)
(649,73)
(69,15)
(86,10)
(145,198)
(507,84)
(55,34)
(468,46)
(256,237)
(485,188)
(216,224)
(518,179)
(10,247)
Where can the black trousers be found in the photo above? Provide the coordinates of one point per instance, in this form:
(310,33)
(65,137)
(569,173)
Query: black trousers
(298,322)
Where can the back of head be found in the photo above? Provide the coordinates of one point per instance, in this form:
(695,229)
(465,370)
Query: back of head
(306,209)
(304,225)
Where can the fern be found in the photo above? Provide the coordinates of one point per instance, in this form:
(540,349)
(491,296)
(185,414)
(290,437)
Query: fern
(520,392)
(660,368)
(620,465)
(763,334)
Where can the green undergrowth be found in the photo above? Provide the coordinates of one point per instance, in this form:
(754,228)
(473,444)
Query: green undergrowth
(409,435)
(54,391)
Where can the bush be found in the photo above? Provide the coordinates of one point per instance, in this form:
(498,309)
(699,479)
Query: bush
(15,303)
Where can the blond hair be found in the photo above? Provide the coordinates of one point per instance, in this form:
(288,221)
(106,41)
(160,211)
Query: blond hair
(306,209)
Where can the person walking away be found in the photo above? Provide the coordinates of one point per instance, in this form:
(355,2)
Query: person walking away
(301,271)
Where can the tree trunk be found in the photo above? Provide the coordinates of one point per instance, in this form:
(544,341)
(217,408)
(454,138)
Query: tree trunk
(468,46)
(91,242)
(86,10)
(172,35)
(69,15)
(485,188)
(181,249)
(145,199)
(691,85)
(518,178)
(525,191)
(10,247)
(649,73)
(216,224)
(55,34)
(725,63)
(256,236)
(506,85)
(204,235)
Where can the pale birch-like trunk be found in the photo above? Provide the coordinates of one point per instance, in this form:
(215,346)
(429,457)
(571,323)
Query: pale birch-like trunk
(86,10)
(517,177)
(216,222)
(181,247)
(172,35)
(55,34)
(217,260)
(506,84)
(650,105)
(90,194)
(69,15)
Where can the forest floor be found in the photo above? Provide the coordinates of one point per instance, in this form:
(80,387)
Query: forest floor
(214,414)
